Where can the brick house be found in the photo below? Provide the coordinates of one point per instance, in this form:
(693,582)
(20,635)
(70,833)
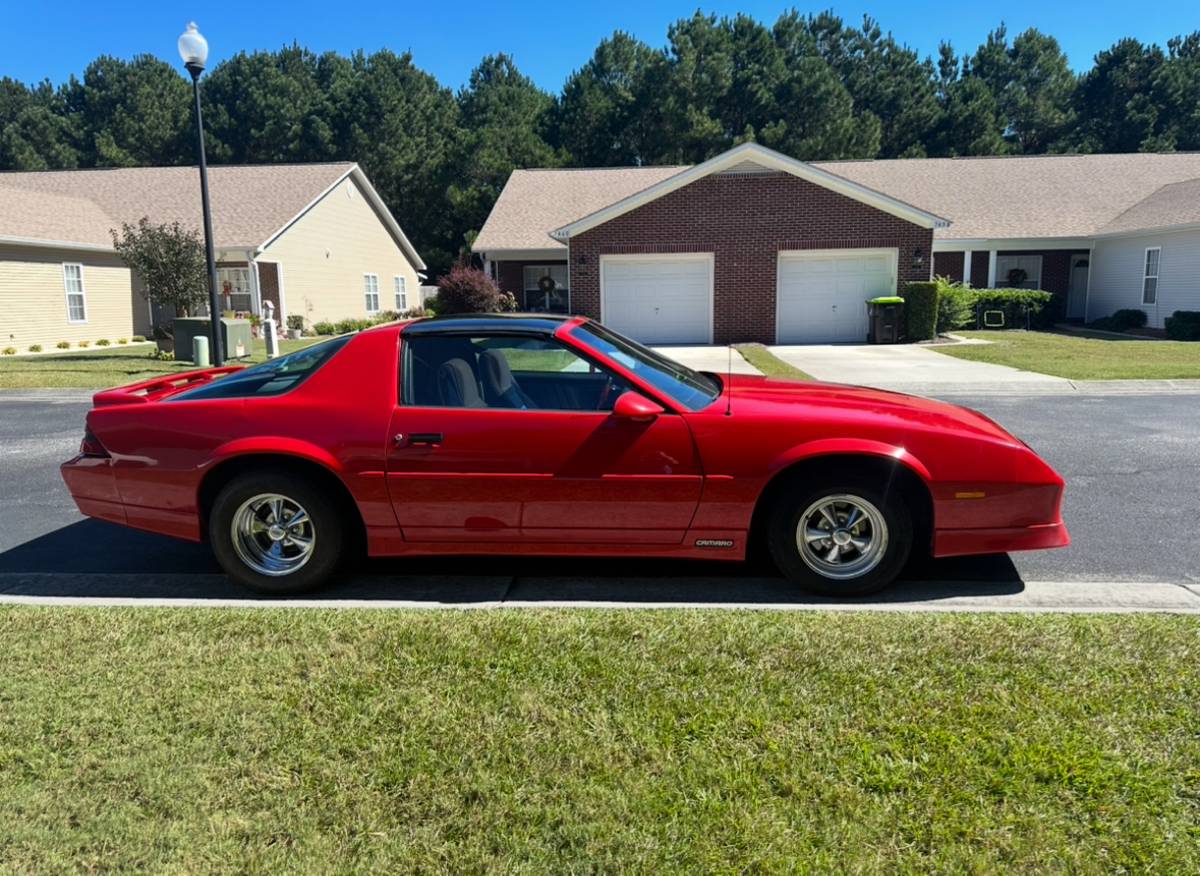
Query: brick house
(753,245)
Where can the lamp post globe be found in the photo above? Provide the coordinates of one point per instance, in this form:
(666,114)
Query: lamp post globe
(193,49)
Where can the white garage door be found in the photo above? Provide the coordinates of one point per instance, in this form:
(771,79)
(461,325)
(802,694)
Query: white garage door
(658,299)
(823,294)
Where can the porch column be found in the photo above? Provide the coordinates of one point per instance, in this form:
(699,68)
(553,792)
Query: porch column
(966,267)
(991,269)
(255,289)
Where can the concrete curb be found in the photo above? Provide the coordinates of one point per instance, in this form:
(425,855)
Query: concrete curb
(48,396)
(1030,597)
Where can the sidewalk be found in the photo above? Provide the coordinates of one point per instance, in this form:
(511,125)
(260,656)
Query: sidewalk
(920,371)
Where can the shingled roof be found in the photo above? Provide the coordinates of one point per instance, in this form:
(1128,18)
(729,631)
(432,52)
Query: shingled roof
(1050,196)
(535,202)
(1169,207)
(250,203)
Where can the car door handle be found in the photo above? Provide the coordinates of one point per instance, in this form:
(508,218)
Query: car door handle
(413,438)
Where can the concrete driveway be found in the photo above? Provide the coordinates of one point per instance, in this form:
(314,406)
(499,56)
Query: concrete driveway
(912,368)
(714,359)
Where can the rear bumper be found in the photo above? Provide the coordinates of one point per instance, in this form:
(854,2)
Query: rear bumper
(93,486)
(962,542)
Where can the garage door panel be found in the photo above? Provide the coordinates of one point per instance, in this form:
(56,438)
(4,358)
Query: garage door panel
(822,298)
(659,301)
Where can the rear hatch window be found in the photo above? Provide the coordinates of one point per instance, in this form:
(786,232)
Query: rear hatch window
(270,378)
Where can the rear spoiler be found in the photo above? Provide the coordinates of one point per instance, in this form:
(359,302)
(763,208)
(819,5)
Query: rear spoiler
(158,387)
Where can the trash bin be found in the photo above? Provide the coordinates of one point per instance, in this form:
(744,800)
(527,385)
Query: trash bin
(886,320)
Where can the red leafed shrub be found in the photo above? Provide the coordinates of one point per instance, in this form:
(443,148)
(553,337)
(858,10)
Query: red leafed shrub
(470,290)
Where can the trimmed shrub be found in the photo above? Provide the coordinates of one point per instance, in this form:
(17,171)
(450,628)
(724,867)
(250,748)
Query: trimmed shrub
(35,348)
(10,351)
(103,342)
(1183,325)
(1121,321)
(955,306)
(1019,305)
(346,326)
(324,328)
(122,340)
(83,344)
(63,345)
(920,310)
(138,339)
(470,290)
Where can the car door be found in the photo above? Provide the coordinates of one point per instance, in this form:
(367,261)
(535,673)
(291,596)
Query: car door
(507,437)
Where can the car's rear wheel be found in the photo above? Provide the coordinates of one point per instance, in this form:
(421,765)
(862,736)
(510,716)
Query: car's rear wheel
(844,536)
(276,533)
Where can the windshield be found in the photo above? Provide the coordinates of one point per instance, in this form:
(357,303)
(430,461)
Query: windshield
(272,377)
(687,387)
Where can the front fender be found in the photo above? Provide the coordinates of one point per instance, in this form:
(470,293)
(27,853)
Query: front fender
(849,447)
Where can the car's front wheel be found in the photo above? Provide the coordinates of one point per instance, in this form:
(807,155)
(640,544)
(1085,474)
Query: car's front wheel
(843,536)
(275,533)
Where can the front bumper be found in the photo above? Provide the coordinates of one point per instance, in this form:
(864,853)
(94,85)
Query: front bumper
(963,542)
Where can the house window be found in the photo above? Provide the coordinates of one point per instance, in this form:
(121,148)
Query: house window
(76,299)
(371,292)
(401,293)
(1150,275)
(1019,271)
(234,286)
(546,289)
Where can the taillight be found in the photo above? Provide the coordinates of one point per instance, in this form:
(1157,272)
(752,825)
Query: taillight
(91,446)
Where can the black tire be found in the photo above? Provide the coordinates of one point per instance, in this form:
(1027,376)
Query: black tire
(325,525)
(891,515)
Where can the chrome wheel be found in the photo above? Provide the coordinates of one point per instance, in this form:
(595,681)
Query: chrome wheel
(273,534)
(841,536)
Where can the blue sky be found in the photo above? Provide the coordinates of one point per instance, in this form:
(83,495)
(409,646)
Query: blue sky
(548,39)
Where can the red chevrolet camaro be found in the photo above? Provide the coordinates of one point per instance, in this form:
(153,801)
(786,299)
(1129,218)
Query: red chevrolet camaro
(550,436)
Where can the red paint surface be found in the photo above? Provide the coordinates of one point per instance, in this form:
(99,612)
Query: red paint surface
(550,482)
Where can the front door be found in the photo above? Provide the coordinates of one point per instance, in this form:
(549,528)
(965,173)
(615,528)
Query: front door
(511,438)
(1077,289)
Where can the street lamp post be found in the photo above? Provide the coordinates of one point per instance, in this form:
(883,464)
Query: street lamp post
(193,48)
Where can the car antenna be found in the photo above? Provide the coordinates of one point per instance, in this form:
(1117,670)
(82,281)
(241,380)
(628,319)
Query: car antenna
(729,384)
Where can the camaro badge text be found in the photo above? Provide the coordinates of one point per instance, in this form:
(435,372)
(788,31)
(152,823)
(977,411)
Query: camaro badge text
(714,542)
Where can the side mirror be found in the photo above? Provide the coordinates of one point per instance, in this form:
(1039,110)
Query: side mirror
(632,406)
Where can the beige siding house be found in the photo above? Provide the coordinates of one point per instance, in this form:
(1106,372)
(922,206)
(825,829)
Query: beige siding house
(315,240)
(342,261)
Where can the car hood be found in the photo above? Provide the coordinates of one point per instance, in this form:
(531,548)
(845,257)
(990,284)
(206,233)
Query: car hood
(812,400)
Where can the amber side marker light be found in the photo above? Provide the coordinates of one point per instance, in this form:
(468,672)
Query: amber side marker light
(975,495)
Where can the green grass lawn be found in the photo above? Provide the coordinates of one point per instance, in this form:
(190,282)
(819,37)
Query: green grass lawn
(251,740)
(101,367)
(1080,358)
(768,363)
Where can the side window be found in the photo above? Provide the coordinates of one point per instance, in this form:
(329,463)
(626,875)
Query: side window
(504,371)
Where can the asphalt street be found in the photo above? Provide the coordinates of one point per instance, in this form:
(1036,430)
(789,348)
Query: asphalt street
(1132,466)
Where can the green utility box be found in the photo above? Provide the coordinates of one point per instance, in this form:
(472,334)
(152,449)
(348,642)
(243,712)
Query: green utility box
(234,332)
